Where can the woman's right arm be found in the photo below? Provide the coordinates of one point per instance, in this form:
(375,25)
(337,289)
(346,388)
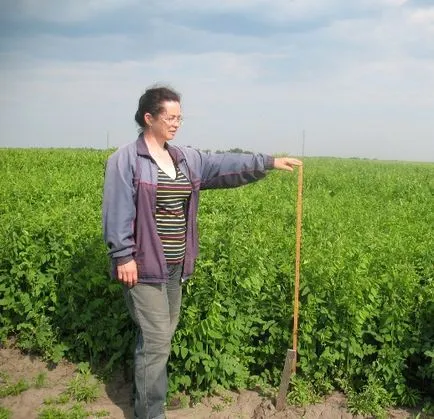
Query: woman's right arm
(119,213)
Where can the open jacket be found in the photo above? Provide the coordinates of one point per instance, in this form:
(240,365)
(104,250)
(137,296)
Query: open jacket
(130,194)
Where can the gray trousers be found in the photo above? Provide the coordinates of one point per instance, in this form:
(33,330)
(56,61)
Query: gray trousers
(155,309)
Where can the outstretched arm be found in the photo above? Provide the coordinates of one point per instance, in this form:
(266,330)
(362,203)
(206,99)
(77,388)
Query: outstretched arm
(228,170)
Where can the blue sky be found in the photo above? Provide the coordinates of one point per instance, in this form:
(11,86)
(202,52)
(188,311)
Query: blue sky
(357,76)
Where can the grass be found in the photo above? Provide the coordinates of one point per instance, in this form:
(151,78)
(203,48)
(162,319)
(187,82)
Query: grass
(5,413)
(7,388)
(83,387)
(40,380)
(218,407)
(77,411)
(62,398)
(11,389)
(177,401)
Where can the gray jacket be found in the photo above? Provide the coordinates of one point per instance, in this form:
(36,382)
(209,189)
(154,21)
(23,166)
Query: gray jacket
(130,193)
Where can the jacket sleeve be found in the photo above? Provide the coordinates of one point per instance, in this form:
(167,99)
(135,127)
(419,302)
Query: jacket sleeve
(228,170)
(119,209)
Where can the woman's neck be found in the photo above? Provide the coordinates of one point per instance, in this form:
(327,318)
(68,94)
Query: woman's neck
(154,143)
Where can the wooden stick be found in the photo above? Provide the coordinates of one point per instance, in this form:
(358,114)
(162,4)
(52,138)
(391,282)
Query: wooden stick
(284,382)
(297,263)
(291,354)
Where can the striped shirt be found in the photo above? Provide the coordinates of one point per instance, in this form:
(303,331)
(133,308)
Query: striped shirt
(172,196)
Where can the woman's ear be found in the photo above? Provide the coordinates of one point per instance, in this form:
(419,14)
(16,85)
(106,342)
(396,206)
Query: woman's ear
(148,119)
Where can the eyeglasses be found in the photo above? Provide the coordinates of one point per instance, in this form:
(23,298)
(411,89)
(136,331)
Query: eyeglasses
(171,120)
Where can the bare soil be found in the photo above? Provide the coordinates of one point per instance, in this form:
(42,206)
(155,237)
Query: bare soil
(115,397)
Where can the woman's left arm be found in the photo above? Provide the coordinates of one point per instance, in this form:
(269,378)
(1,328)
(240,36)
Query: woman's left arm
(228,170)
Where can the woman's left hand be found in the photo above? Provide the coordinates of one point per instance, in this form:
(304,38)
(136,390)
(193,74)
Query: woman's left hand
(286,163)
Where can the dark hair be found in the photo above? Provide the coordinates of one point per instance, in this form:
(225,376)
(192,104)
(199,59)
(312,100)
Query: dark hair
(152,102)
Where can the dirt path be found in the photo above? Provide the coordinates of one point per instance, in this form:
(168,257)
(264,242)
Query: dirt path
(115,397)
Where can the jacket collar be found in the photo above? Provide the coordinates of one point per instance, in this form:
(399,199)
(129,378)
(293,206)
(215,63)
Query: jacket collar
(142,150)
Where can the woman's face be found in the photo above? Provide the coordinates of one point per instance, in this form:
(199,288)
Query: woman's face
(165,125)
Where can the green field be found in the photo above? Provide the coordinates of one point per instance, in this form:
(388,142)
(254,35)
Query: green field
(367,275)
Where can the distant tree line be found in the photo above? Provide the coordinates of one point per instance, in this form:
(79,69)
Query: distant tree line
(231,150)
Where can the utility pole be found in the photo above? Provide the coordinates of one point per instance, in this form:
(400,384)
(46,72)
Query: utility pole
(302,147)
(108,140)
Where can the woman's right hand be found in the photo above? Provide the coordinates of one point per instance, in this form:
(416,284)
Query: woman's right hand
(127,273)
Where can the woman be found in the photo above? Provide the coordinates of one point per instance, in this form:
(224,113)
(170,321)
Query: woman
(150,207)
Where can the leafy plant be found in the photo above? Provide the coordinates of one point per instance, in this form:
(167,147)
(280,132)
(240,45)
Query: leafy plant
(371,400)
(302,392)
(366,291)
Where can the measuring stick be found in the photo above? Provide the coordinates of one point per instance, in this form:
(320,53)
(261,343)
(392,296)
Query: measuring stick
(291,354)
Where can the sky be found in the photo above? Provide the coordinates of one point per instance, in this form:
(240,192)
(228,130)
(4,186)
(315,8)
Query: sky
(353,78)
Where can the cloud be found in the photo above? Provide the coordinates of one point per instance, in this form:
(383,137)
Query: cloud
(423,16)
(357,76)
(256,18)
(419,3)
(395,2)
(66,11)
